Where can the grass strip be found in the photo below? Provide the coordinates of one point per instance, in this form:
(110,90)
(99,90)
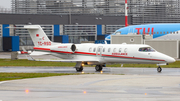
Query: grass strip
(15,76)
(24,62)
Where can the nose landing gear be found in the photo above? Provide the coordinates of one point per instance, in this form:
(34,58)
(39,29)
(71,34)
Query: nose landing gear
(159,69)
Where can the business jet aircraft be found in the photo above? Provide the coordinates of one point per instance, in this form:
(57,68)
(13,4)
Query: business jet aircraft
(158,31)
(96,54)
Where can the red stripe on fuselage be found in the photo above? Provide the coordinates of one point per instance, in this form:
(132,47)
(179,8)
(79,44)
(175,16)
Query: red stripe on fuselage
(44,49)
(131,57)
(61,52)
(86,53)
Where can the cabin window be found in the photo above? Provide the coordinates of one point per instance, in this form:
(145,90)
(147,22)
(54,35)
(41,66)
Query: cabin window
(160,32)
(119,50)
(154,32)
(171,32)
(90,49)
(104,49)
(99,49)
(177,32)
(157,32)
(114,50)
(125,50)
(167,32)
(109,50)
(174,32)
(164,32)
(146,49)
(94,50)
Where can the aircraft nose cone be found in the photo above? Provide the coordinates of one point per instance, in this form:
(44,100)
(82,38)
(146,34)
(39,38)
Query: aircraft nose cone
(171,60)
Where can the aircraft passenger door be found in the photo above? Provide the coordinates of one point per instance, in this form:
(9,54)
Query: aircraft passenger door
(99,51)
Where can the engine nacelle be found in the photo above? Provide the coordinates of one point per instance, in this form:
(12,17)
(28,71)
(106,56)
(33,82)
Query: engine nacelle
(64,48)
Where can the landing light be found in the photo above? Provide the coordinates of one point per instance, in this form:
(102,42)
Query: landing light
(82,72)
(101,72)
(82,64)
(84,92)
(27,91)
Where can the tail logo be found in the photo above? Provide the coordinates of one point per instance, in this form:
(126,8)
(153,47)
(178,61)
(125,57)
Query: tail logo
(37,35)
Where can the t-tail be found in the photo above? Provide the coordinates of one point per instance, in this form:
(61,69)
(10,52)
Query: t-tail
(37,34)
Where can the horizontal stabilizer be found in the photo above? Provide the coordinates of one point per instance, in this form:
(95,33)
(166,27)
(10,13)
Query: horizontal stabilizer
(25,27)
(39,53)
(30,58)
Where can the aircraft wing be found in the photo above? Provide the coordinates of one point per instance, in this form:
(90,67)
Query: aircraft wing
(62,60)
(66,60)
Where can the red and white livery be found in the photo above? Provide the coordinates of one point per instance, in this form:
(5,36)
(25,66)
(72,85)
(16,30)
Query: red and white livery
(95,54)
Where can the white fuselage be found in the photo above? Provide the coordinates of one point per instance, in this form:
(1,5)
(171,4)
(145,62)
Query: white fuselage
(110,53)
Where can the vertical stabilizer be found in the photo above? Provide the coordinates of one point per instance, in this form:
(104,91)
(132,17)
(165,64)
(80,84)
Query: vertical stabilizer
(38,36)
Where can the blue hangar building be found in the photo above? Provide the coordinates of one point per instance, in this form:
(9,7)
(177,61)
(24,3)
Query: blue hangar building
(59,28)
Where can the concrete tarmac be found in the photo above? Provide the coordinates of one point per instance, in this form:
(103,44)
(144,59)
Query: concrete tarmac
(115,84)
(93,87)
(136,84)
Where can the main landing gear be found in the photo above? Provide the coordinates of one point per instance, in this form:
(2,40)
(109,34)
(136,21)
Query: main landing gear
(99,68)
(159,69)
(80,69)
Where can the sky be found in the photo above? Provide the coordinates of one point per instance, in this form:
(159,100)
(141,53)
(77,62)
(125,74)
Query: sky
(5,3)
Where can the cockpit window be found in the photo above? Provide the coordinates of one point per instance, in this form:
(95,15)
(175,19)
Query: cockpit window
(146,49)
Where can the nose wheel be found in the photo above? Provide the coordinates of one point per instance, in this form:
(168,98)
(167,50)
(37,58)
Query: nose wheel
(99,67)
(159,69)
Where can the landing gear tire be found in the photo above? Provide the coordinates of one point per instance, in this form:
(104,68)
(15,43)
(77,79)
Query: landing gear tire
(98,68)
(79,69)
(159,69)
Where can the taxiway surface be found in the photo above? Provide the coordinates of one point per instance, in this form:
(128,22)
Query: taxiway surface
(137,84)
(115,84)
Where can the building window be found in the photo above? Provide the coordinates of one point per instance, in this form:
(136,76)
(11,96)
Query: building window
(79,33)
(109,29)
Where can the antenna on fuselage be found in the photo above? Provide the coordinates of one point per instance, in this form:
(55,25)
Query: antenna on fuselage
(126,14)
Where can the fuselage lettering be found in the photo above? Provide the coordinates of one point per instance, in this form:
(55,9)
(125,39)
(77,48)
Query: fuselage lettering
(44,43)
(144,30)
